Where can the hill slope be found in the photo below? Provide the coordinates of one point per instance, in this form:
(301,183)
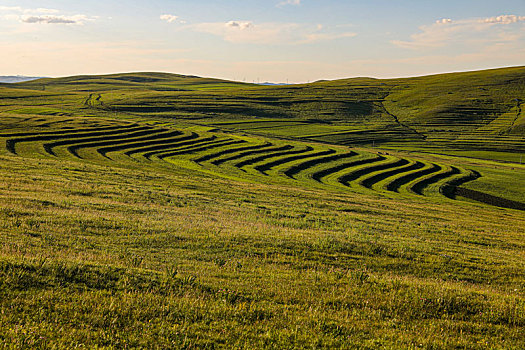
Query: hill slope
(465,111)
(16,78)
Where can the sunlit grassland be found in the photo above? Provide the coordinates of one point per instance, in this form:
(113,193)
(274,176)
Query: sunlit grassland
(91,253)
(161,211)
(472,111)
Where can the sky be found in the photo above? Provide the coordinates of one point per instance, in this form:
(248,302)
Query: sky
(260,40)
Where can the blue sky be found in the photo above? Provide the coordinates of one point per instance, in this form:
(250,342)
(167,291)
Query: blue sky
(270,40)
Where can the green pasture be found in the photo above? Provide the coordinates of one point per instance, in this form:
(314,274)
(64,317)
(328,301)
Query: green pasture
(152,210)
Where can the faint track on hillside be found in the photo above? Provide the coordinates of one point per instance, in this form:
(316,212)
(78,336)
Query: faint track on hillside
(398,122)
(518,113)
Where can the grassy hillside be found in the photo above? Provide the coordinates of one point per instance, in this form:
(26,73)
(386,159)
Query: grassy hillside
(459,111)
(224,215)
(130,81)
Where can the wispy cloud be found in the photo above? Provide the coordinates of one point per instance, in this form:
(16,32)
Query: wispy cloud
(169,18)
(239,24)
(315,37)
(478,30)
(289,2)
(272,33)
(79,19)
(42,16)
(444,21)
(505,19)
(248,32)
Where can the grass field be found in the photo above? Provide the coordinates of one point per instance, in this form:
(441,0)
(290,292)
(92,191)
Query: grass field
(163,211)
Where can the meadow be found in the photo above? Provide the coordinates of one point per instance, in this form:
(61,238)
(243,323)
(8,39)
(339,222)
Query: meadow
(151,210)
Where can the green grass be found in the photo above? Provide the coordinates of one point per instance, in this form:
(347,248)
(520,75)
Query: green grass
(169,255)
(157,217)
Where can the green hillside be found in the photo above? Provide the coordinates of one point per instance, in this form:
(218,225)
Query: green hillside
(130,81)
(147,210)
(462,111)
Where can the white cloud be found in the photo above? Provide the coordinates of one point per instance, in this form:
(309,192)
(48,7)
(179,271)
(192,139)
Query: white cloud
(465,31)
(289,2)
(247,32)
(41,15)
(52,19)
(240,25)
(169,18)
(444,21)
(505,19)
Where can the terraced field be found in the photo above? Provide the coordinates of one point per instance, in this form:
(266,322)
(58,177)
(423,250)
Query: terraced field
(335,167)
(460,113)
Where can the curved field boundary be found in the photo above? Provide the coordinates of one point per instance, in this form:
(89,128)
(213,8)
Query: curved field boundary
(319,175)
(211,156)
(47,123)
(392,165)
(487,198)
(258,159)
(354,175)
(137,136)
(377,178)
(49,147)
(163,144)
(263,168)
(11,143)
(182,145)
(419,186)
(303,162)
(66,131)
(211,145)
(103,151)
(249,153)
(296,169)
(449,188)
(395,185)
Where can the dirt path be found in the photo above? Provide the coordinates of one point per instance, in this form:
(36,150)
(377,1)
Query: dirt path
(396,119)
(518,113)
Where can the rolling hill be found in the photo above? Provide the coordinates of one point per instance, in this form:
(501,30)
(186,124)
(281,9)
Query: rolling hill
(465,111)
(145,210)
(16,78)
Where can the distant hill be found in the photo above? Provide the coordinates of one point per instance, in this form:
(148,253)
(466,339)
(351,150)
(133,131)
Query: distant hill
(478,110)
(16,78)
(272,84)
(152,81)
